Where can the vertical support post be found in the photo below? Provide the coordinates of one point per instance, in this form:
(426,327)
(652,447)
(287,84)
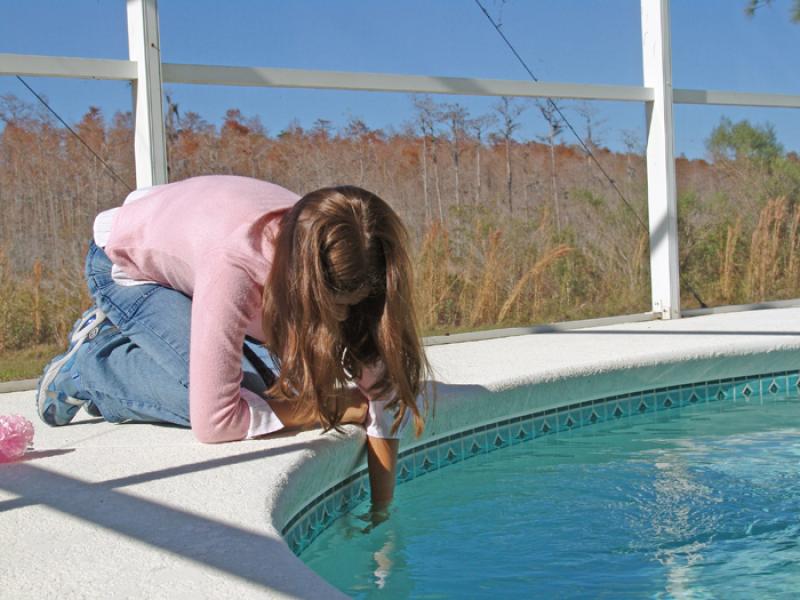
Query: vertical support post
(661,186)
(144,47)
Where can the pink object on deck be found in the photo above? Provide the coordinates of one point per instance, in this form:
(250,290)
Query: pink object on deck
(16,435)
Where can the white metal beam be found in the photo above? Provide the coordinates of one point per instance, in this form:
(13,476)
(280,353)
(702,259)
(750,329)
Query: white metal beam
(126,70)
(661,187)
(713,310)
(63,66)
(144,47)
(722,98)
(384,82)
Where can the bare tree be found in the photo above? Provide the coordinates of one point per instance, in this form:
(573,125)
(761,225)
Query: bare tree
(592,123)
(509,111)
(633,147)
(455,115)
(358,131)
(171,126)
(478,126)
(426,117)
(550,114)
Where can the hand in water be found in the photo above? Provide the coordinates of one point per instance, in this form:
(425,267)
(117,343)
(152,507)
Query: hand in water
(377,514)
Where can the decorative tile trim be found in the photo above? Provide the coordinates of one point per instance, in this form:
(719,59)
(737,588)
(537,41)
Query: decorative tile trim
(318,514)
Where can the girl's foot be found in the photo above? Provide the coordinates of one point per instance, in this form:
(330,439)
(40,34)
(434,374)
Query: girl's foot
(57,406)
(92,409)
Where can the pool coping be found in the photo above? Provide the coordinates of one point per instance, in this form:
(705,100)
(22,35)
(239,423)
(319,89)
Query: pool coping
(124,491)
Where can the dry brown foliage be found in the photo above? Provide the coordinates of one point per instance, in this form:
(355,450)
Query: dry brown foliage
(766,250)
(478,263)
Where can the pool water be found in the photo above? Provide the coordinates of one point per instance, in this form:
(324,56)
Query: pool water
(697,503)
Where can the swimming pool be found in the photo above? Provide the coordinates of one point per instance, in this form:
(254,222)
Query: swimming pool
(657,493)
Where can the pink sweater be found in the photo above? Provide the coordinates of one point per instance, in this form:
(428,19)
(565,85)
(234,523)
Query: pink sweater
(207,237)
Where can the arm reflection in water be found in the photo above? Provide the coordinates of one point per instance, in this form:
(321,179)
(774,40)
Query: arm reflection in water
(379,534)
(384,561)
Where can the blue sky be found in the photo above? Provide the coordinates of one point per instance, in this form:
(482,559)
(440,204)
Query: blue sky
(597,41)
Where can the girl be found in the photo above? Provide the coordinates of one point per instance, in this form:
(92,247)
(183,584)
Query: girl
(190,278)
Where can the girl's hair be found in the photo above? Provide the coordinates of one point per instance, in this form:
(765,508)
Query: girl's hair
(338,297)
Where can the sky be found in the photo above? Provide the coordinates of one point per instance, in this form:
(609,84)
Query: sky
(714,45)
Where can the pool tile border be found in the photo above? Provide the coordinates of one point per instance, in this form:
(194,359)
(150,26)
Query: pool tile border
(318,514)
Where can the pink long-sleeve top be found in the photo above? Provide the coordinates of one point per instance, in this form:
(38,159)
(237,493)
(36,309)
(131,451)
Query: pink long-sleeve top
(209,237)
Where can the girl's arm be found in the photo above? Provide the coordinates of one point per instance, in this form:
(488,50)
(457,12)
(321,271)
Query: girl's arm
(382,464)
(220,409)
(382,445)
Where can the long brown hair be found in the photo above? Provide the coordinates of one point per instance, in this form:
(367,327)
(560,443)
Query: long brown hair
(338,298)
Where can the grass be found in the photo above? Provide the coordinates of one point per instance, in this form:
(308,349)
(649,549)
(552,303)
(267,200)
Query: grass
(492,273)
(27,363)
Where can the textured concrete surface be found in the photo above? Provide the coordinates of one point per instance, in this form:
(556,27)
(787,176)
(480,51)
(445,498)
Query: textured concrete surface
(143,511)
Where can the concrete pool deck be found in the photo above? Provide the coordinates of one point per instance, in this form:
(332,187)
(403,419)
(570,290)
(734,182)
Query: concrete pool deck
(145,511)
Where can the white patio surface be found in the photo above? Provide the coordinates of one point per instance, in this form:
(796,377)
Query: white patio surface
(143,511)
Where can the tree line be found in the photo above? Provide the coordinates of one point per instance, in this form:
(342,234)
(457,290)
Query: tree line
(506,231)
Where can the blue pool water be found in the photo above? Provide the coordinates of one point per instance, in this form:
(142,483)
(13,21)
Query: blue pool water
(701,503)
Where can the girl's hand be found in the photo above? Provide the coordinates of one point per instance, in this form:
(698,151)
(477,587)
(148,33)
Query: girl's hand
(366,522)
(357,409)
(377,515)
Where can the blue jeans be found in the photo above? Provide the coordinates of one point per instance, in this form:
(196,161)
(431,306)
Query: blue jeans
(137,367)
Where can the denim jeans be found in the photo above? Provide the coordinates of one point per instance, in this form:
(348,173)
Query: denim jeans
(137,366)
